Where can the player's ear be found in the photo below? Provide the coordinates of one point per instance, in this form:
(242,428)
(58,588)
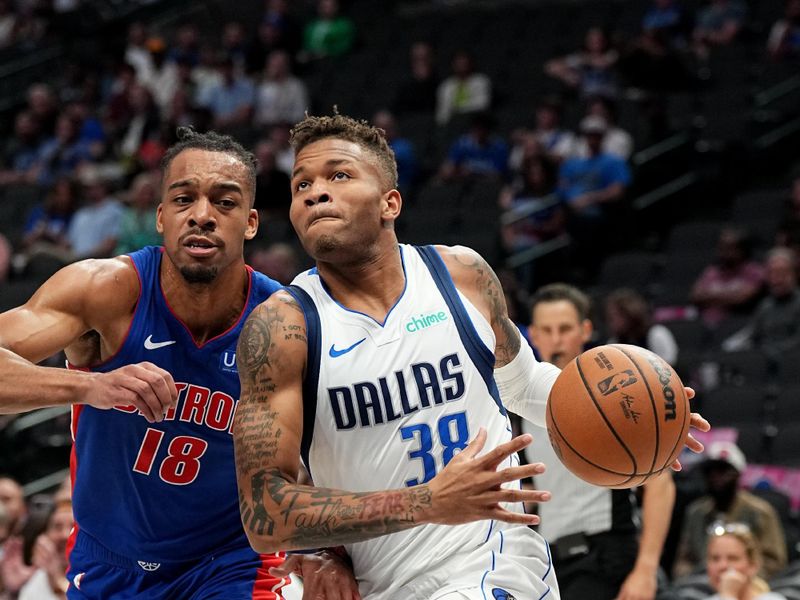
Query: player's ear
(252,225)
(391,204)
(159,219)
(587,328)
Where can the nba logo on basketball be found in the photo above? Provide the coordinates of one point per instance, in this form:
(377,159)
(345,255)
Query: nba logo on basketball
(227,361)
(616,381)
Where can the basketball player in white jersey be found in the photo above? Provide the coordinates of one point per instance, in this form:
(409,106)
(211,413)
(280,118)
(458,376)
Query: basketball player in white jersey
(389,368)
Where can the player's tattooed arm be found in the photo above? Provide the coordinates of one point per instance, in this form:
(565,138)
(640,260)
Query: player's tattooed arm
(277,512)
(478,282)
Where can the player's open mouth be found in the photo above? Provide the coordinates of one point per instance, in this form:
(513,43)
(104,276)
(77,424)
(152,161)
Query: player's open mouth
(200,247)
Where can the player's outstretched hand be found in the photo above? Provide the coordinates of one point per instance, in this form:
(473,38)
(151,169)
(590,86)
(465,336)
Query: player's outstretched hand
(326,576)
(143,385)
(469,487)
(697,422)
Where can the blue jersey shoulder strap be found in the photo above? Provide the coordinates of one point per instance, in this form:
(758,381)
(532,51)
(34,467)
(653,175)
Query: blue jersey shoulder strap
(311,381)
(481,356)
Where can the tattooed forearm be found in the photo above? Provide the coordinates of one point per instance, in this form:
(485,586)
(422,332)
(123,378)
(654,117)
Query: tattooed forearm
(508,341)
(310,517)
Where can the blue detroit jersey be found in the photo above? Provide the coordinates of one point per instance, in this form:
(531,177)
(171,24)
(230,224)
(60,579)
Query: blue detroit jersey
(165,492)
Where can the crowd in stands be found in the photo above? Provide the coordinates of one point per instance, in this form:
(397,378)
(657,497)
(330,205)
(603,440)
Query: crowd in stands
(89,142)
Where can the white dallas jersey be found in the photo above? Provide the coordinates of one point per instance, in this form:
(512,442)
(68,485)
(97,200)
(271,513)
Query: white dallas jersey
(391,404)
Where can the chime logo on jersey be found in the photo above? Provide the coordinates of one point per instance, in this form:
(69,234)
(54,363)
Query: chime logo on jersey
(421,386)
(421,322)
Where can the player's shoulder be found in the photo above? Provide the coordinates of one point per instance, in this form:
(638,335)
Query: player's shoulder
(465,265)
(281,306)
(93,285)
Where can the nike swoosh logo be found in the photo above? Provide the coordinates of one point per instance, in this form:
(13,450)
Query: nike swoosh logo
(149,344)
(334,352)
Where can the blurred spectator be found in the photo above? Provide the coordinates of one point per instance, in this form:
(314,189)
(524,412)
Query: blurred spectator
(732,283)
(137,54)
(724,503)
(48,222)
(330,34)
(553,140)
(8,23)
(284,153)
(417,93)
(206,75)
(43,105)
(775,326)
(278,261)
(278,30)
(629,321)
(465,91)
(666,21)
(163,78)
(733,560)
(117,108)
(273,187)
(587,184)
(784,37)
(95,228)
(531,189)
(90,128)
(234,45)
(21,149)
(589,71)
(539,217)
(718,24)
(788,233)
(280,97)
(138,226)
(477,153)
(402,147)
(30,27)
(187,46)
(231,100)
(62,154)
(616,140)
(143,123)
(13,500)
(654,61)
(48,582)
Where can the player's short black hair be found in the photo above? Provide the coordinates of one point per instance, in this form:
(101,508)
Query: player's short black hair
(555,292)
(370,138)
(189,139)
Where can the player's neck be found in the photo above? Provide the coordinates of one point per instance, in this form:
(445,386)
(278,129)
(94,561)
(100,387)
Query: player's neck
(206,310)
(371,286)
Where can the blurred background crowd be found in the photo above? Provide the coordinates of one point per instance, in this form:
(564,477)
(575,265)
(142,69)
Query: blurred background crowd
(645,151)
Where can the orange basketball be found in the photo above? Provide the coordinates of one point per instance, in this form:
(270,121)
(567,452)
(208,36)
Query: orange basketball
(617,415)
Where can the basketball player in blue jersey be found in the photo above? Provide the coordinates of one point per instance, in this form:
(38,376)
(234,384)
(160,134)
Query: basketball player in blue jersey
(151,339)
(388,369)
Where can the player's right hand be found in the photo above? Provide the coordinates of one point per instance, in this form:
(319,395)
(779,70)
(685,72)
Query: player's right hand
(149,388)
(325,576)
(469,487)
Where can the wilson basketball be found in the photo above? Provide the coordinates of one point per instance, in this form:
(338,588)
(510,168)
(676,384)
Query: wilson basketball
(617,415)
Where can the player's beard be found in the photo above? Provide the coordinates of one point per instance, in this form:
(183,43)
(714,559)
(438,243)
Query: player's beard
(325,245)
(199,274)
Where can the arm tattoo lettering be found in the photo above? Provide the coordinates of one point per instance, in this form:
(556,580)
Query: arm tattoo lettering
(508,342)
(314,517)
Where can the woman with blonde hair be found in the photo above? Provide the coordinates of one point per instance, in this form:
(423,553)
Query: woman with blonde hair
(733,560)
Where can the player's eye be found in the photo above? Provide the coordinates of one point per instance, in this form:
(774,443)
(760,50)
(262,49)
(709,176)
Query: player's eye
(341,176)
(301,186)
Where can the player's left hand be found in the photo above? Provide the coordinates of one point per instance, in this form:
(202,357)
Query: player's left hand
(698,422)
(325,575)
(640,584)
